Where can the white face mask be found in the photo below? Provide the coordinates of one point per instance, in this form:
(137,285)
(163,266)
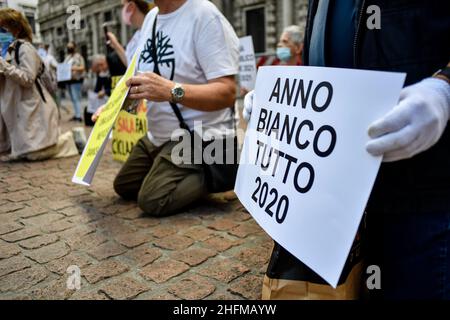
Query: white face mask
(126,14)
(103,74)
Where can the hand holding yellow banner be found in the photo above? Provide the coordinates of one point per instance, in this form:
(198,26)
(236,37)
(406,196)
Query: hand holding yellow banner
(97,141)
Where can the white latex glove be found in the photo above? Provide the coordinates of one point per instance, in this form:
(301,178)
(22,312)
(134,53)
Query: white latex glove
(415,124)
(248,105)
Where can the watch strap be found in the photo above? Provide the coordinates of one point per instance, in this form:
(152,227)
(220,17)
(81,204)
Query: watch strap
(443,74)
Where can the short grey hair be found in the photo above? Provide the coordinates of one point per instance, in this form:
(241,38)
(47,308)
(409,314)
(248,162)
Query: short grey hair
(295,34)
(98,57)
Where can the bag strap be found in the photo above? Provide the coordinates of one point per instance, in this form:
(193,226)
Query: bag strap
(38,85)
(16,53)
(154,51)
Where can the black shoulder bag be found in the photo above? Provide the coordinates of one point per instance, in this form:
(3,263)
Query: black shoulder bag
(220,177)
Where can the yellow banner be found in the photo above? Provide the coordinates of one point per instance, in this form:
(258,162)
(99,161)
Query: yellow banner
(127,131)
(114,81)
(102,129)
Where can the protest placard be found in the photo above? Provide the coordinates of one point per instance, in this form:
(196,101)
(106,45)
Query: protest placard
(305,174)
(127,131)
(247,63)
(63,72)
(99,137)
(94,102)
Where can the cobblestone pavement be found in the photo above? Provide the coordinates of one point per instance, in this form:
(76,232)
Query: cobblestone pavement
(47,224)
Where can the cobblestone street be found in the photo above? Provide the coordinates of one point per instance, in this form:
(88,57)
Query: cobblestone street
(47,224)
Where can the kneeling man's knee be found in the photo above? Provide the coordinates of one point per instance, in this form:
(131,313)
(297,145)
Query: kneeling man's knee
(124,190)
(154,206)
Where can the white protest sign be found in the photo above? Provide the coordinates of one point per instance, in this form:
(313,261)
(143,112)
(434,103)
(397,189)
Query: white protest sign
(94,102)
(247,63)
(64,72)
(305,174)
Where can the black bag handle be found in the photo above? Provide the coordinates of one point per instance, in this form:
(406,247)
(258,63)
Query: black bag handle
(154,51)
(38,85)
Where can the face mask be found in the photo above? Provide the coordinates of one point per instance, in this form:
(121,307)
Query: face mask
(284,54)
(103,74)
(6,38)
(126,15)
(71,50)
(42,53)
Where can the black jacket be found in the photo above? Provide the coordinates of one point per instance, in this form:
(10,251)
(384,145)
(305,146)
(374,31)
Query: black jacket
(103,83)
(414,38)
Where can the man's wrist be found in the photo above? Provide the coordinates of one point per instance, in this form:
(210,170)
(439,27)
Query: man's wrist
(442,88)
(177,93)
(443,74)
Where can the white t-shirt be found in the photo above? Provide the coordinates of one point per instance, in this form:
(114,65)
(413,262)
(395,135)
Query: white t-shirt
(50,61)
(132,46)
(195,44)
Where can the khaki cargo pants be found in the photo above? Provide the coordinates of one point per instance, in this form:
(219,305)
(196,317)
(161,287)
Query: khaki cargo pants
(160,187)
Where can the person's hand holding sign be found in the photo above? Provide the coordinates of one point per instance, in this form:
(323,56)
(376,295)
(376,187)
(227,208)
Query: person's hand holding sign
(150,86)
(248,105)
(415,124)
(97,113)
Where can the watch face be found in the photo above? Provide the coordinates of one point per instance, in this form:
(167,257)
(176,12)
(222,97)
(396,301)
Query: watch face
(178,93)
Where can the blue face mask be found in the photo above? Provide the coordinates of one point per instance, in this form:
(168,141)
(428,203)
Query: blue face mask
(42,52)
(284,54)
(6,39)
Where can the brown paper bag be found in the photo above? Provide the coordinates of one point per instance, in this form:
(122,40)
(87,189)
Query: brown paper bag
(287,278)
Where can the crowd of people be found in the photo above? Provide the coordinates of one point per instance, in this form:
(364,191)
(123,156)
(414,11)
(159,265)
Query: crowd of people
(187,60)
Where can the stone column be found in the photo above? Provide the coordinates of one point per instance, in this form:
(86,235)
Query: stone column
(123,33)
(95,37)
(287,8)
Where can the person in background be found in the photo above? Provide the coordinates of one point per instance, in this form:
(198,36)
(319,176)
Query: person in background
(133,14)
(28,114)
(51,64)
(75,84)
(290,46)
(47,57)
(408,214)
(289,52)
(102,87)
(103,83)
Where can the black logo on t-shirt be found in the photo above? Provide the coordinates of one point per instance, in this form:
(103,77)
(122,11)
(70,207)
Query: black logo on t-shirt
(166,54)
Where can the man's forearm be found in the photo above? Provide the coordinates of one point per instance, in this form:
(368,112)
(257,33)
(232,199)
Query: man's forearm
(216,95)
(210,97)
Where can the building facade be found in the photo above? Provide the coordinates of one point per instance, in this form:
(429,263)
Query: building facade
(81,21)
(263,19)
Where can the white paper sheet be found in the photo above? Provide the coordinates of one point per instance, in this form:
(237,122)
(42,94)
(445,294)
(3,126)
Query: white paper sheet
(64,72)
(247,63)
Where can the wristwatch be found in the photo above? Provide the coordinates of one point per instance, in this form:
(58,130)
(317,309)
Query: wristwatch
(177,93)
(443,74)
